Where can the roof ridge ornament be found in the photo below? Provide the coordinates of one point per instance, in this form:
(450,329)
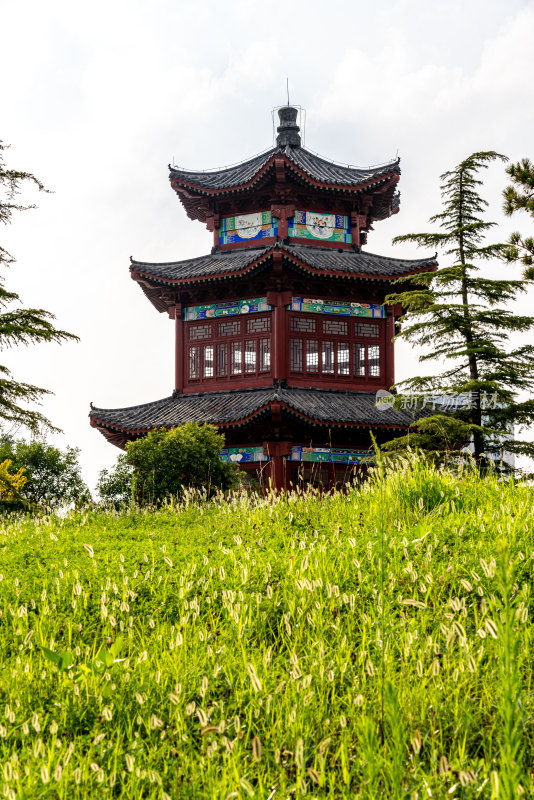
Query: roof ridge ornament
(288,131)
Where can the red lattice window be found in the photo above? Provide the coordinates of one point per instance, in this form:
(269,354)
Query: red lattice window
(250,355)
(222,359)
(200,331)
(339,327)
(343,358)
(328,350)
(194,363)
(207,371)
(335,348)
(258,324)
(230,328)
(359,360)
(373,360)
(304,324)
(312,355)
(295,355)
(236,367)
(265,355)
(371,330)
(228,350)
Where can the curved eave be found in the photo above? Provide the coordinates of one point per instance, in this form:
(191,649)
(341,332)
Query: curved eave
(191,192)
(99,423)
(339,424)
(144,275)
(344,187)
(141,275)
(195,186)
(110,430)
(364,276)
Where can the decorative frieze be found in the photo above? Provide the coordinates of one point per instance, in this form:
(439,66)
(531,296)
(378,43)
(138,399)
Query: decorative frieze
(228,309)
(242,455)
(323,227)
(329,455)
(310,306)
(247,228)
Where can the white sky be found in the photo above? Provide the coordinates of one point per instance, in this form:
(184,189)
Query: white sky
(98,98)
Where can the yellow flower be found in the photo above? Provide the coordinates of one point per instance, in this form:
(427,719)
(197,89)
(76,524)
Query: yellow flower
(10,483)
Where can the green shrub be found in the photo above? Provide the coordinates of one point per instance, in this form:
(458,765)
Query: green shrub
(165,462)
(114,486)
(53,476)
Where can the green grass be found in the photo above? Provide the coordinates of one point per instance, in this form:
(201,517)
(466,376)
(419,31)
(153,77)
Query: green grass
(374,644)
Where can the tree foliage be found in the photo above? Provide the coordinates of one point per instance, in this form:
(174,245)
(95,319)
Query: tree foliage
(53,476)
(20,325)
(165,462)
(519,196)
(114,486)
(460,315)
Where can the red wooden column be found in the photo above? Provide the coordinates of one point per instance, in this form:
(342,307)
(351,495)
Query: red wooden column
(212,224)
(179,347)
(279,300)
(277,452)
(283,214)
(393,311)
(357,222)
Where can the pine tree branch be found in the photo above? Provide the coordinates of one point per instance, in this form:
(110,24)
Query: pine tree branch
(12,394)
(520,195)
(28,325)
(21,325)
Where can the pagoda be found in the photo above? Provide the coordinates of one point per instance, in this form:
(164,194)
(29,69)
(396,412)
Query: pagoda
(282,335)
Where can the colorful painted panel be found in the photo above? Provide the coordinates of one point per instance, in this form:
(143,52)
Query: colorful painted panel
(247,228)
(228,309)
(242,455)
(325,227)
(332,307)
(329,455)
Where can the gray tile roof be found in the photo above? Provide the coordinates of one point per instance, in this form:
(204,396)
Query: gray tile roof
(326,406)
(313,166)
(351,262)
(324,171)
(318,259)
(219,263)
(236,175)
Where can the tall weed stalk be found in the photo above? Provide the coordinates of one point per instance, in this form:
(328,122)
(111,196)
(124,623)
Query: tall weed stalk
(510,705)
(396,742)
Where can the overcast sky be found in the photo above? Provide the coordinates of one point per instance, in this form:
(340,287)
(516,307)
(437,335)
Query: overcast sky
(98,98)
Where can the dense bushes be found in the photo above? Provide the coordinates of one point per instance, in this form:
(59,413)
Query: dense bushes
(114,486)
(53,476)
(163,463)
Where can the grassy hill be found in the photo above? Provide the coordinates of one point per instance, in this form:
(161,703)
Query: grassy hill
(373,644)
